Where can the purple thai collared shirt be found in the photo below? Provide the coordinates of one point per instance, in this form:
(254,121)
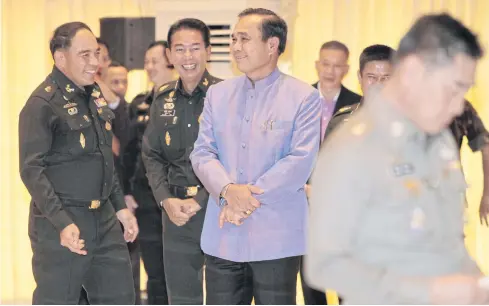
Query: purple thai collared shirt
(266,135)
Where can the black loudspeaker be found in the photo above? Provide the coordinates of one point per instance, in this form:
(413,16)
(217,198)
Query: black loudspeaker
(128,39)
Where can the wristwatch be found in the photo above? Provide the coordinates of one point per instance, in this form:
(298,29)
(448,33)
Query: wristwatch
(222,200)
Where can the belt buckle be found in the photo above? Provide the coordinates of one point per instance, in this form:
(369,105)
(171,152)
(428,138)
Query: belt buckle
(192,191)
(95,204)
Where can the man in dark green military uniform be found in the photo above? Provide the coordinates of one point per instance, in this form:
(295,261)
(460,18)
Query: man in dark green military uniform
(67,165)
(137,187)
(168,141)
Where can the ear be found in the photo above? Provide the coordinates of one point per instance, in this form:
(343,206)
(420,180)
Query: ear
(208,50)
(273,43)
(168,55)
(411,69)
(60,58)
(359,75)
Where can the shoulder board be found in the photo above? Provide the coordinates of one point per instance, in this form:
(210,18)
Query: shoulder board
(166,87)
(46,90)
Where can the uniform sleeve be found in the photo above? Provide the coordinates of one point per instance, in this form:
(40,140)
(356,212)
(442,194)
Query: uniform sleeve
(340,194)
(474,129)
(117,194)
(36,123)
(156,165)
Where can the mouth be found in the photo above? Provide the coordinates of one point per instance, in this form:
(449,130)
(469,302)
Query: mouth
(189,67)
(91,72)
(239,57)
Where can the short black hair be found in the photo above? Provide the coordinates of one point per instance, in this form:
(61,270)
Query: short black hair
(336,45)
(63,35)
(116,64)
(272,26)
(100,41)
(190,24)
(438,38)
(375,53)
(164,44)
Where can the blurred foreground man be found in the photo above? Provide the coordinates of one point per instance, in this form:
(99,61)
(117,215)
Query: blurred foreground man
(398,239)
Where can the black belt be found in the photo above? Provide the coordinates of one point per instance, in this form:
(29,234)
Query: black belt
(184,192)
(91,205)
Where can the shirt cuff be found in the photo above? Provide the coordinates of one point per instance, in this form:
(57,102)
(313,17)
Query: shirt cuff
(60,220)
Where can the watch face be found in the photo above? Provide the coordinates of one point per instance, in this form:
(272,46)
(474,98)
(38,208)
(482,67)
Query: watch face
(222,202)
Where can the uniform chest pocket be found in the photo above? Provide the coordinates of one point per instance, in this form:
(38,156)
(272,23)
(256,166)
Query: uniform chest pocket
(172,141)
(80,137)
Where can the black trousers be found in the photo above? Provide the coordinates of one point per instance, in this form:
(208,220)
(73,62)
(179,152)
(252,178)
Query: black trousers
(105,272)
(151,244)
(271,282)
(184,260)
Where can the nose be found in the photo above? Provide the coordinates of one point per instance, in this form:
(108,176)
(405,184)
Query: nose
(93,60)
(188,52)
(236,46)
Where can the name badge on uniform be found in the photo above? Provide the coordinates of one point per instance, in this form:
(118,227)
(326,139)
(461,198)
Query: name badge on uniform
(402,169)
(70,105)
(168,113)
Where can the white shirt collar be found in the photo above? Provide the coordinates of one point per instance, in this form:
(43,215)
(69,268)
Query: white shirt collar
(321,94)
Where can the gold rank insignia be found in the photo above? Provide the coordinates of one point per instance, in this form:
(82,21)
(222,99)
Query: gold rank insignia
(86,118)
(72,111)
(358,129)
(163,88)
(167,138)
(169,105)
(143,106)
(200,118)
(413,186)
(48,88)
(140,118)
(108,126)
(65,98)
(69,89)
(70,105)
(82,140)
(206,82)
(95,93)
(99,111)
(170,97)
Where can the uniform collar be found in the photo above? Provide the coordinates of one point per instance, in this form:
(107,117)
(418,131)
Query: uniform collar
(263,83)
(68,88)
(203,85)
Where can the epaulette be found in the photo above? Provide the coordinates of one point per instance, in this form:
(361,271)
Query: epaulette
(46,90)
(165,88)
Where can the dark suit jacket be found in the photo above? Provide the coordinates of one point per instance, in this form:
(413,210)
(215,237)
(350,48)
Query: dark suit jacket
(346,97)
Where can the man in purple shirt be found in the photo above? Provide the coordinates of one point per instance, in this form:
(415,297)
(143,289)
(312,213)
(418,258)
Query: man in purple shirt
(259,135)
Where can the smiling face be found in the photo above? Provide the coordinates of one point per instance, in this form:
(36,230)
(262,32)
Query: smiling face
(79,62)
(253,56)
(189,54)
